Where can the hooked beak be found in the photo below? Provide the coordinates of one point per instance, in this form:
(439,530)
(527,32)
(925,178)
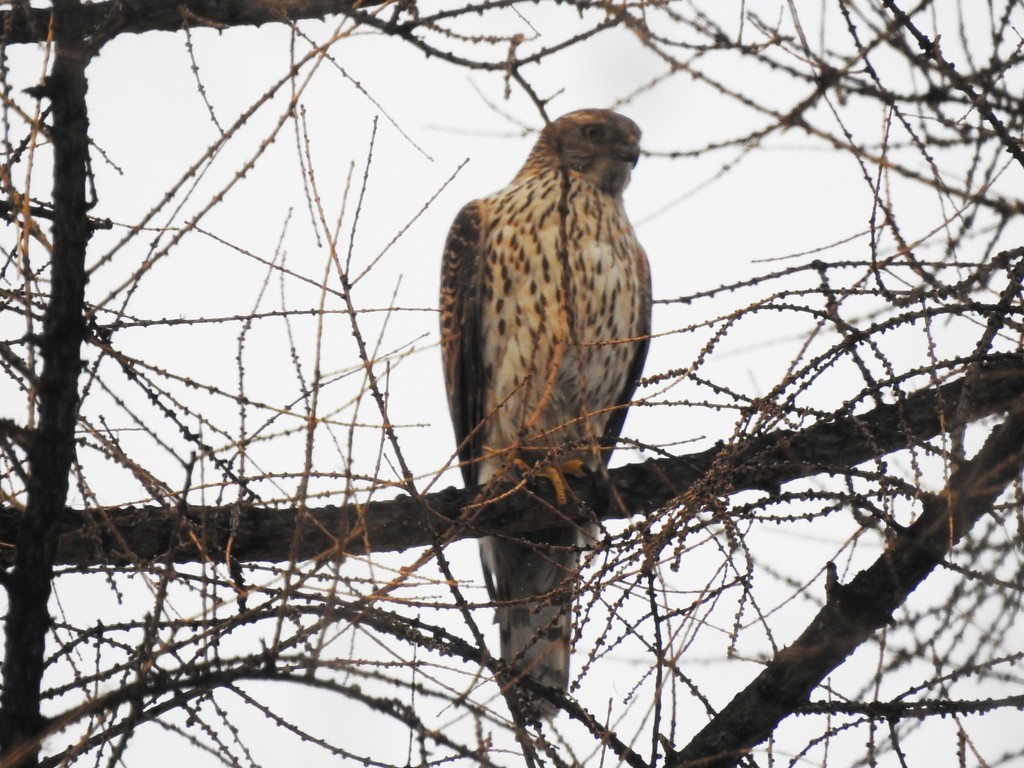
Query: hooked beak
(630,153)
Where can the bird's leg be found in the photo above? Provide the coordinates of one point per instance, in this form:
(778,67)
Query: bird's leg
(556,474)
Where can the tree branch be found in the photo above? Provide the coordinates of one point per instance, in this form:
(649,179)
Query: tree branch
(52,447)
(855,611)
(10,212)
(140,534)
(977,100)
(105,20)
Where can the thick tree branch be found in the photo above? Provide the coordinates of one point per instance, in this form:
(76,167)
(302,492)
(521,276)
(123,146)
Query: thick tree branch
(857,610)
(102,21)
(258,534)
(10,212)
(52,448)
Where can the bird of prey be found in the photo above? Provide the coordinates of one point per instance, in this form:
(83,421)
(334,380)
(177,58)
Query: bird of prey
(545,320)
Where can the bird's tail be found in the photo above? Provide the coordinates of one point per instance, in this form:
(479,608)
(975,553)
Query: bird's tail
(533,583)
(535,641)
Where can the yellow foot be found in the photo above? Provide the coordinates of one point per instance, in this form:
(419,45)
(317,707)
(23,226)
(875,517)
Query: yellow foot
(556,474)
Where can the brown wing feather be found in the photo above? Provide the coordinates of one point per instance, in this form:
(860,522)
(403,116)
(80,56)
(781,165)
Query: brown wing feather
(461,348)
(636,366)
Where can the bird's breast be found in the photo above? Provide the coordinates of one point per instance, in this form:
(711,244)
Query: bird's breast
(561,310)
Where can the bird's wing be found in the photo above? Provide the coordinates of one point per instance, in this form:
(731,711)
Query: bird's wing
(461,345)
(636,365)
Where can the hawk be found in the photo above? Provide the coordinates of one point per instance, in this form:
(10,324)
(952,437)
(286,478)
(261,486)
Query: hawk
(545,321)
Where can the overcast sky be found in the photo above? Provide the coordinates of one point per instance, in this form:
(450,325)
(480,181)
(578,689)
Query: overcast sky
(442,135)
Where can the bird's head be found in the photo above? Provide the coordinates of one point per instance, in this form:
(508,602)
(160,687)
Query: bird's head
(600,145)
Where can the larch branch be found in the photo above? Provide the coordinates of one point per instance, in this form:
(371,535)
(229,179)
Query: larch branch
(855,611)
(105,20)
(140,534)
(51,449)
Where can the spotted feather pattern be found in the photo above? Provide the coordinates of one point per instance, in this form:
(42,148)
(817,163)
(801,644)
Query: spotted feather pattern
(545,319)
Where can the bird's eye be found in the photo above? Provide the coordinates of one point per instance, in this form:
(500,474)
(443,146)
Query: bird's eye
(593,132)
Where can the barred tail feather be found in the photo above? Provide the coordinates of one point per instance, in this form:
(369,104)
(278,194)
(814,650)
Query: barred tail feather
(536,642)
(532,581)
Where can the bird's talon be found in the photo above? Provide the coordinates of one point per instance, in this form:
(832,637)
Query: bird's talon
(573,468)
(556,474)
(557,481)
